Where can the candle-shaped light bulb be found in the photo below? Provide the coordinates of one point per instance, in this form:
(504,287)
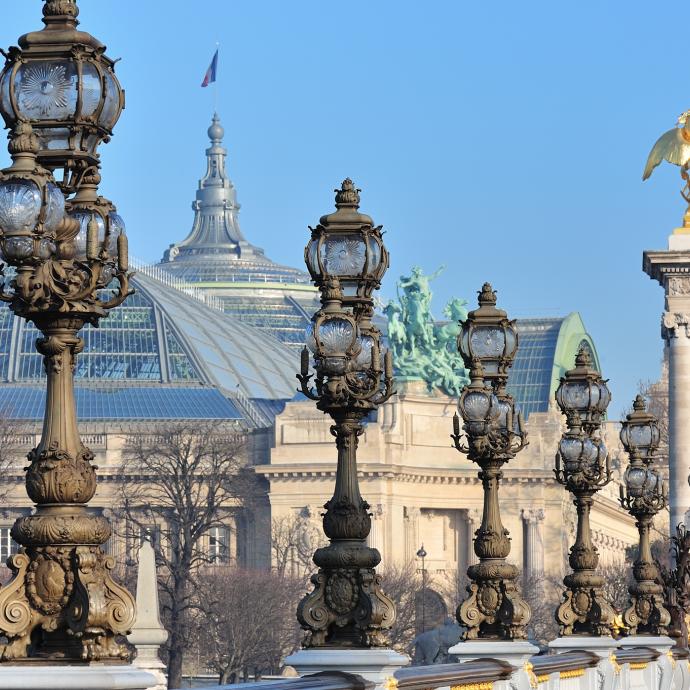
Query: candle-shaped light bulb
(456,424)
(388,364)
(375,357)
(122,252)
(304,361)
(92,248)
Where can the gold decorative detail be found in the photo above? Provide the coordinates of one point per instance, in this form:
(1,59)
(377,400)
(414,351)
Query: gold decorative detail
(391,683)
(671,658)
(529,670)
(638,665)
(615,664)
(544,678)
(486,685)
(575,673)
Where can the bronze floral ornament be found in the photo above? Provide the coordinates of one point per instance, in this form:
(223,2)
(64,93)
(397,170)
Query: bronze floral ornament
(643,496)
(347,607)
(67,248)
(494,432)
(582,466)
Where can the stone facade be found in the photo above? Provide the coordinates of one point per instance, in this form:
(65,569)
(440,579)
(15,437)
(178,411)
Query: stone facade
(423,491)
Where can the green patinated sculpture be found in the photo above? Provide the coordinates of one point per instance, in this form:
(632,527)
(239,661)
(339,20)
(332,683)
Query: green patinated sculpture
(423,350)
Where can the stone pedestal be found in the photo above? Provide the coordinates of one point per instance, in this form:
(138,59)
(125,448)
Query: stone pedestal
(375,665)
(658,673)
(604,675)
(517,654)
(671,269)
(92,677)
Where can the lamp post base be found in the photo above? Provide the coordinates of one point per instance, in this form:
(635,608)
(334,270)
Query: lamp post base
(32,676)
(375,665)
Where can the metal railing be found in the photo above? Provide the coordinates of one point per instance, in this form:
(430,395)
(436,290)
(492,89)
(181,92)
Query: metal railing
(163,276)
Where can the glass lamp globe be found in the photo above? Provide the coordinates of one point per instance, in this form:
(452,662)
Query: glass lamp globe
(636,481)
(347,246)
(31,210)
(488,336)
(333,340)
(479,409)
(110,220)
(580,453)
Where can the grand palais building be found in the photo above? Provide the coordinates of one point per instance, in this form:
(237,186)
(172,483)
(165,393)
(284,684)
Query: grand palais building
(213,333)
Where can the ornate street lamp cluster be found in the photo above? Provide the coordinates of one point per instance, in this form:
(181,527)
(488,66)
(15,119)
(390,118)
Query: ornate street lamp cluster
(643,496)
(495,434)
(66,244)
(347,259)
(582,467)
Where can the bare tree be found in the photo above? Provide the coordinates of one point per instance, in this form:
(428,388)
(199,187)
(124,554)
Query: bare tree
(14,445)
(401,583)
(247,620)
(294,538)
(178,484)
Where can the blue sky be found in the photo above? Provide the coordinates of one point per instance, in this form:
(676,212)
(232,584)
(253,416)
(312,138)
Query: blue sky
(505,140)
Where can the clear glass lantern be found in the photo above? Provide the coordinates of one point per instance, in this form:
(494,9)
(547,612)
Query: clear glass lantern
(479,409)
(62,83)
(580,453)
(640,432)
(333,339)
(583,392)
(346,245)
(32,209)
(110,222)
(488,336)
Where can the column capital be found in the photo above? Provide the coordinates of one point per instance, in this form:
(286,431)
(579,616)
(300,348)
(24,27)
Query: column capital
(532,515)
(675,324)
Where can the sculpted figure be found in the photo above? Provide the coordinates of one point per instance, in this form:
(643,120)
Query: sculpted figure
(422,349)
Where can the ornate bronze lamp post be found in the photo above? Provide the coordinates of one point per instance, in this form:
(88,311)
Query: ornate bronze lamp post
(421,553)
(347,259)
(582,466)
(643,497)
(494,609)
(60,97)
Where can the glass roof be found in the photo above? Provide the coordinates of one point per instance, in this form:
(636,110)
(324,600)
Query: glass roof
(119,403)
(162,334)
(547,349)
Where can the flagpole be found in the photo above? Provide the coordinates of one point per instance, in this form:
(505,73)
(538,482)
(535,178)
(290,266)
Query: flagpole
(215,84)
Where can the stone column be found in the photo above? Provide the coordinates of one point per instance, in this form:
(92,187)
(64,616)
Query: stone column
(411,533)
(376,536)
(473,520)
(672,270)
(534,543)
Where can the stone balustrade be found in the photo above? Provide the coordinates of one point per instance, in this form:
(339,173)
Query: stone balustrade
(637,668)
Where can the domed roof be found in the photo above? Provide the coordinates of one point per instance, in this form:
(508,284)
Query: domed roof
(216,250)
(162,336)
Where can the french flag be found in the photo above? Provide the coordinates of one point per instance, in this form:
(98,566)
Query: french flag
(211,71)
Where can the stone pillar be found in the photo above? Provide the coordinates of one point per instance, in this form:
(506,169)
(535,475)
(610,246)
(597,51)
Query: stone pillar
(376,535)
(148,633)
(533,565)
(672,270)
(411,533)
(474,519)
